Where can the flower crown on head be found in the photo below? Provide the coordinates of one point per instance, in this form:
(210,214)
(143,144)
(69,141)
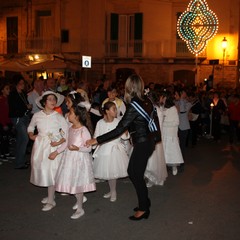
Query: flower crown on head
(85,104)
(73,94)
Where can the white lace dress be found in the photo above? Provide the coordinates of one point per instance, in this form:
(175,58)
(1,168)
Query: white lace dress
(110,159)
(170,140)
(50,127)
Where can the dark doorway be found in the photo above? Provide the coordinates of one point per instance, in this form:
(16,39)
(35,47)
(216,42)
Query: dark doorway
(12,35)
(186,77)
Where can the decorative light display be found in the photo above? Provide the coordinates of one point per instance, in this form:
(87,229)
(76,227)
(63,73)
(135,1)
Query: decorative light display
(197,25)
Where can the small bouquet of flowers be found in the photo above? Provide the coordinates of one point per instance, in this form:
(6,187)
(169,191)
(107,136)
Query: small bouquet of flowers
(56,137)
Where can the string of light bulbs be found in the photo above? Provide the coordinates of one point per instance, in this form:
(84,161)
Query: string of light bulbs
(197,25)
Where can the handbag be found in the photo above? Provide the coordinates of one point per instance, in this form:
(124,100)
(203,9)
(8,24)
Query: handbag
(192,116)
(153,121)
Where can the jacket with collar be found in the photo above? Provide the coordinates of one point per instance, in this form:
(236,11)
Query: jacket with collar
(133,122)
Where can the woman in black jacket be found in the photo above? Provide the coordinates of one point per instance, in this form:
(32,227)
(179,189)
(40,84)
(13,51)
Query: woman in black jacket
(143,144)
(218,109)
(19,112)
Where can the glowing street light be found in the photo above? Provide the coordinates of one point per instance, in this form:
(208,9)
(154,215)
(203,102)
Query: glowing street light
(224,47)
(210,136)
(224,43)
(211,116)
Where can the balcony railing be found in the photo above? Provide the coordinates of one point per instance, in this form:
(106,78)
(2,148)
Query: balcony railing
(148,49)
(113,49)
(40,45)
(182,50)
(126,49)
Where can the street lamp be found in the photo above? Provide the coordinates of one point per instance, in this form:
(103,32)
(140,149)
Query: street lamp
(211,119)
(224,46)
(210,136)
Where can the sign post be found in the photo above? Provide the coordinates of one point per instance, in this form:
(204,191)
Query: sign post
(86,63)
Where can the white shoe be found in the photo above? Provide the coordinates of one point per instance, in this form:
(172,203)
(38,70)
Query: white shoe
(113,197)
(78,214)
(149,184)
(107,195)
(84,199)
(64,194)
(48,206)
(161,183)
(75,206)
(99,180)
(174,171)
(45,200)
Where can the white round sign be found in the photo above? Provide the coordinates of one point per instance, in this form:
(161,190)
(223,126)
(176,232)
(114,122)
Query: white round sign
(86,61)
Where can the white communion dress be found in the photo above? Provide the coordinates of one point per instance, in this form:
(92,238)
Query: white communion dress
(170,140)
(50,127)
(110,158)
(156,170)
(75,172)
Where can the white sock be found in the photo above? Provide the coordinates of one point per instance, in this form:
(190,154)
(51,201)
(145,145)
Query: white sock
(51,193)
(79,197)
(112,185)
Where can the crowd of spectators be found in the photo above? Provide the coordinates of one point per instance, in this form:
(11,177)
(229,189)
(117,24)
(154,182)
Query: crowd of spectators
(202,113)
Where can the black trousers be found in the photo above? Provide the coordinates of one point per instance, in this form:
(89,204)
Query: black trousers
(183,135)
(4,139)
(192,136)
(216,129)
(136,169)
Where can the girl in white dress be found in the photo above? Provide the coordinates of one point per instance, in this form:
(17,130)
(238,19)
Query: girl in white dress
(75,173)
(170,140)
(110,159)
(52,132)
(72,100)
(112,93)
(156,170)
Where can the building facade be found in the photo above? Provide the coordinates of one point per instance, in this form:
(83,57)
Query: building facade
(122,37)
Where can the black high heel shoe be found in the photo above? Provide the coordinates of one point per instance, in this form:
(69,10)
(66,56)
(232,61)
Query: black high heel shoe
(145,215)
(137,208)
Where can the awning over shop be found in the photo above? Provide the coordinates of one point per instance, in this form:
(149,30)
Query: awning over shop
(13,66)
(49,65)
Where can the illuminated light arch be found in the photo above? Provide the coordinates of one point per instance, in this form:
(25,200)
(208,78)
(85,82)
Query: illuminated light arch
(197,25)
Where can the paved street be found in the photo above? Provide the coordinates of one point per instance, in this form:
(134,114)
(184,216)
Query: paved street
(202,203)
